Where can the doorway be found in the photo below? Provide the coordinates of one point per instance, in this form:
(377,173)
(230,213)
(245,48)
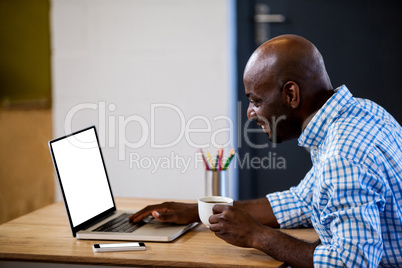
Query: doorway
(360,42)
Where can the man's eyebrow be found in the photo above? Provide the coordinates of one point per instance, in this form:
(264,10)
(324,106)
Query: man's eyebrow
(251,94)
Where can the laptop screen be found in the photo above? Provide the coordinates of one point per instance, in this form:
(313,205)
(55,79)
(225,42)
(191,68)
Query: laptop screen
(82,174)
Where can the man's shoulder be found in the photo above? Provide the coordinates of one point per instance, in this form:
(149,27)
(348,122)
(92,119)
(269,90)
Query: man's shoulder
(364,118)
(377,112)
(360,128)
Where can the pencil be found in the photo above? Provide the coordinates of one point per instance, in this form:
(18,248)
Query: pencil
(210,160)
(205,160)
(220,159)
(232,153)
(217,162)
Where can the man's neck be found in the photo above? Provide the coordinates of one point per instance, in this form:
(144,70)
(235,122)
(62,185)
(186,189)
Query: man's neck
(319,103)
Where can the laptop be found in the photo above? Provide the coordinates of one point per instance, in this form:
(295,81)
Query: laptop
(88,198)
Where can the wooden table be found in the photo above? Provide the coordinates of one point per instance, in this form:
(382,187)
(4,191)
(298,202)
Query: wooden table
(44,236)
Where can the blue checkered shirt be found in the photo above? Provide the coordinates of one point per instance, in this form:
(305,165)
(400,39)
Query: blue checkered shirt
(352,194)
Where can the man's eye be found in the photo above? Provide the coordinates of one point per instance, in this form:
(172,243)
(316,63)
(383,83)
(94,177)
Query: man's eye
(253,102)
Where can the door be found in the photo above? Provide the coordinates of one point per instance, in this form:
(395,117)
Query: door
(361,45)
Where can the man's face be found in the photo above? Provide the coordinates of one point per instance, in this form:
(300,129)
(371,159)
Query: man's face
(266,107)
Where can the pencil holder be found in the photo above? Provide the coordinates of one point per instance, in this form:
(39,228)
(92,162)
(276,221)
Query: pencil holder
(217,183)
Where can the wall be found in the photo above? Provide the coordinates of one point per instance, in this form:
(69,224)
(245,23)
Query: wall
(154,77)
(26,173)
(24,53)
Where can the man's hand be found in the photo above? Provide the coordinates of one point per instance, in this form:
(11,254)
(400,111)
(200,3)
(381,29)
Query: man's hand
(179,213)
(237,227)
(234,225)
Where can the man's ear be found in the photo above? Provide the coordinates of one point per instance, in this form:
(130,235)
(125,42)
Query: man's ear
(292,92)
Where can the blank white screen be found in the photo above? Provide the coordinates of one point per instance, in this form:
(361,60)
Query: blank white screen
(82,175)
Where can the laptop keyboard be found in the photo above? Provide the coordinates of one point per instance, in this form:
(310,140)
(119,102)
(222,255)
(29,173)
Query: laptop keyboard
(121,224)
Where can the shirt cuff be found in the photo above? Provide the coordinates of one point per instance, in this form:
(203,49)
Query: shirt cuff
(287,210)
(325,256)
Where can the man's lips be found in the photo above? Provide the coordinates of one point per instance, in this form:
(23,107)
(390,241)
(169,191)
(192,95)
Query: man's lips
(260,122)
(263,125)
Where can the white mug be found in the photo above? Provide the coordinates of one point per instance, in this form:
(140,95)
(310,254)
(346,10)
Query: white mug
(205,205)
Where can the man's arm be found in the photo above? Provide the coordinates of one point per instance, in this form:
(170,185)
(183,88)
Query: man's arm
(248,223)
(184,213)
(180,213)
(237,227)
(259,209)
(293,251)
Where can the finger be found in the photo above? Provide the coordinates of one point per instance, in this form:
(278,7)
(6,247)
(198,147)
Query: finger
(214,228)
(218,209)
(157,215)
(139,216)
(163,216)
(214,218)
(143,213)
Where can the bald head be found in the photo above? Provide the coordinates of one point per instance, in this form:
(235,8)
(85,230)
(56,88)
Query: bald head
(288,77)
(288,58)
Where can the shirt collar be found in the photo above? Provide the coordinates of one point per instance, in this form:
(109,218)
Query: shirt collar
(317,128)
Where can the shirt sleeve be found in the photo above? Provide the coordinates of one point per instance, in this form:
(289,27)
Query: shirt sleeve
(292,208)
(349,198)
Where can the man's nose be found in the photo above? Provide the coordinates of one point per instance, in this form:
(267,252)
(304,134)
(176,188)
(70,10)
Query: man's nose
(251,113)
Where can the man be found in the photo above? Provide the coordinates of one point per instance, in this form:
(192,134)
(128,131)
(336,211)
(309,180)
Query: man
(351,195)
